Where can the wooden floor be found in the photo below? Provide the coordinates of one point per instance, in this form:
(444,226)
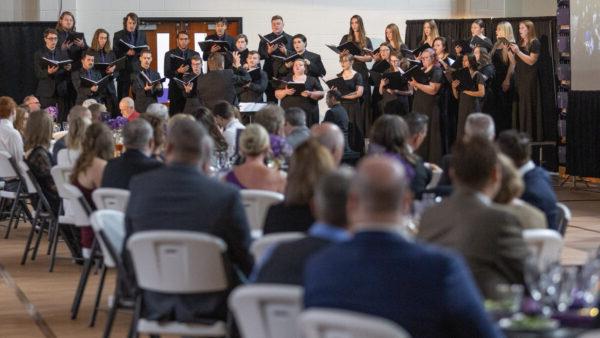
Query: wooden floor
(52,293)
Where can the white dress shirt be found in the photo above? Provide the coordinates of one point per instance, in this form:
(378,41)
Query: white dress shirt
(230,134)
(10,140)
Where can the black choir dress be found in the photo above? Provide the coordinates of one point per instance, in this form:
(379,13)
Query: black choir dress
(448,110)
(112,105)
(74,52)
(526,78)
(393,103)
(356,134)
(501,102)
(431,149)
(468,104)
(489,73)
(310,106)
(362,69)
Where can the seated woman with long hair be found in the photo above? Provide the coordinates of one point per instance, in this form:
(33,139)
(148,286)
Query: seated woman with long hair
(309,162)
(98,147)
(389,135)
(74,139)
(253,173)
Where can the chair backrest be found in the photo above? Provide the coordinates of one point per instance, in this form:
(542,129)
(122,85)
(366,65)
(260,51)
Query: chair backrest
(257,203)
(332,323)
(71,196)
(178,261)
(6,169)
(111,198)
(67,157)
(267,310)
(436,175)
(27,176)
(112,224)
(564,217)
(546,244)
(261,245)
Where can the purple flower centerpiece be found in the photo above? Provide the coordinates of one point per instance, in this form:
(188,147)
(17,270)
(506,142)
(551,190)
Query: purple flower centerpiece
(52,111)
(117,123)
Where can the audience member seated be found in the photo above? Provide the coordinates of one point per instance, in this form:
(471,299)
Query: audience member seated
(417,131)
(294,127)
(331,137)
(389,136)
(97,148)
(469,222)
(158,135)
(336,114)
(477,124)
(10,139)
(225,117)
(159,110)
(285,263)
(538,187)
(21,117)
(138,142)
(32,103)
(511,188)
(309,162)
(427,291)
(180,196)
(76,112)
(77,127)
(88,102)
(127,108)
(99,112)
(272,118)
(253,173)
(208,121)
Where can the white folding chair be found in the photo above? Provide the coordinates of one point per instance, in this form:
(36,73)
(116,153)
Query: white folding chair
(178,262)
(436,175)
(18,197)
(545,244)
(257,203)
(267,310)
(564,217)
(111,198)
(108,226)
(333,323)
(67,157)
(259,246)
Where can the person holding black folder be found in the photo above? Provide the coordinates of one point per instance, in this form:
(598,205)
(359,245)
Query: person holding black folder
(221,35)
(313,60)
(279,43)
(478,37)
(393,38)
(358,36)
(241,46)
(52,78)
(123,41)
(189,85)
(503,86)
(308,99)
(219,83)
(430,32)
(426,83)
(469,88)
(177,62)
(106,62)
(69,40)
(448,104)
(381,64)
(253,91)
(394,89)
(487,70)
(89,83)
(147,83)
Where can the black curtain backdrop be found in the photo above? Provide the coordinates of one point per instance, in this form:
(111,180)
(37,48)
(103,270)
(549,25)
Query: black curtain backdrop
(18,42)
(583,136)
(456,29)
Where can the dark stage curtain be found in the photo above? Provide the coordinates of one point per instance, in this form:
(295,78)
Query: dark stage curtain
(18,42)
(583,136)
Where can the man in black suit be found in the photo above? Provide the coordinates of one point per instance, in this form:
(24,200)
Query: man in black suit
(131,35)
(52,84)
(138,142)
(313,61)
(417,128)
(538,187)
(219,84)
(190,90)
(179,57)
(285,263)
(144,90)
(86,90)
(180,196)
(221,35)
(267,50)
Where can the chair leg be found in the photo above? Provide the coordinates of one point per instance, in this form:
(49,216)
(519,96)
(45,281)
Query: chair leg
(10,217)
(85,273)
(112,313)
(28,244)
(98,297)
(137,313)
(39,239)
(54,244)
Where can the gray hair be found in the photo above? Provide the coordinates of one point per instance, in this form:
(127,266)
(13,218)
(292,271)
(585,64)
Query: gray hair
(295,116)
(159,110)
(137,134)
(480,124)
(271,117)
(331,195)
(88,102)
(129,101)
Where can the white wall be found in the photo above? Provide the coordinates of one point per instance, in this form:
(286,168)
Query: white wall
(518,8)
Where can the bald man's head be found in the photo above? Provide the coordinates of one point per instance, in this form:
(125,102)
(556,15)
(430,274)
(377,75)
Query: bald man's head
(331,137)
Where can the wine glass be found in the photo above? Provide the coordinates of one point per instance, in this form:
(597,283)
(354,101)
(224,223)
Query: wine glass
(568,288)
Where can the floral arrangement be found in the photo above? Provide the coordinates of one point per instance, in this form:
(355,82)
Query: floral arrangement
(117,123)
(52,111)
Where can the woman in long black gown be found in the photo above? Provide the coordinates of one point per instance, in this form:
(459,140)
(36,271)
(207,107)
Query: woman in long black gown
(448,104)
(351,102)
(358,36)
(307,100)
(469,101)
(526,78)
(426,102)
(104,54)
(487,70)
(381,63)
(394,100)
(503,86)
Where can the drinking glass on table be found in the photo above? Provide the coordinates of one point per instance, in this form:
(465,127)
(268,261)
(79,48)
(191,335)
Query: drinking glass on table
(65,126)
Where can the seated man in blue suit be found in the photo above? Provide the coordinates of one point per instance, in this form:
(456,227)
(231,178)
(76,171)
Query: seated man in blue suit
(538,187)
(180,196)
(382,272)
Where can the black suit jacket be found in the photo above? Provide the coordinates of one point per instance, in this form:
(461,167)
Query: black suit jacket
(120,170)
(175,92)
(143,98)
(422,177)
(270,66)
(539,193)
(228,57)
(285,218)
(74,52)
(179,197)
(83,90)
(50,85)
(219,85)
(255,90)
(133,62)
(315,67)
